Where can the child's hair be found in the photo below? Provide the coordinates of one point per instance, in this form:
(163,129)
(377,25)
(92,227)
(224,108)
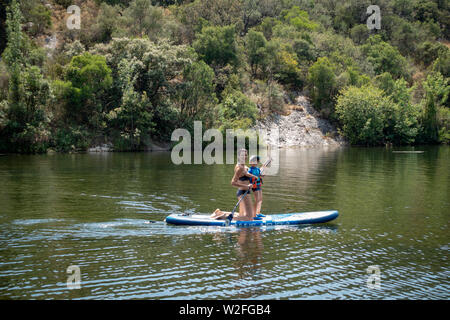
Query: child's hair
(254,160)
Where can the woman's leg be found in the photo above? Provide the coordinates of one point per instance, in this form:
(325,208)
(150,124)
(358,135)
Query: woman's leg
(241,208)
(247,209)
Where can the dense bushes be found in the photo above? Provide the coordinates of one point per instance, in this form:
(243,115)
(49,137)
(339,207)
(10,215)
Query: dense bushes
(384,57)
(322,83)
(24,117)
(361,112)
(435,116)
(237,111)
(143,68)
(370,117)
(88,78)
(217,46)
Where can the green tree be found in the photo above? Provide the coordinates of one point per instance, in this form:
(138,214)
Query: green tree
(428,52)
(143,19)
(41,18)
(3,37)
(442,63)
(159,69)
(133,119)
(360,113)
(217,46)
(196,94)
(24,118)
(385,82)
(26,127)
(237,111)
(299,19)
(384,57)
(89,78)
(200,13)
(256,50)
(359,33)
(251,13)
(404,35)
(401,116)
(13,54)
(281,64)
(108,22)
(267,25)
(322,82)
(305,50)
(425,10)
(437,90)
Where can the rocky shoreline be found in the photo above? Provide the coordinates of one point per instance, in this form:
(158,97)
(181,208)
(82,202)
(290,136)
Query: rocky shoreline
(301,127)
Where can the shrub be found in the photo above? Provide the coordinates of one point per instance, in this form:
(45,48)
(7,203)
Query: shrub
(385,58)
(401,116)
(41,18)
(256,49)
(237,111)
(71,139)
(88,77)
(298,18)
(217,46)
(437,90)
(360,112)
(428,52)
(322,82)
(442,63)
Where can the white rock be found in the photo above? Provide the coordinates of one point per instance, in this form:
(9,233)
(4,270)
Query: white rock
(300,128)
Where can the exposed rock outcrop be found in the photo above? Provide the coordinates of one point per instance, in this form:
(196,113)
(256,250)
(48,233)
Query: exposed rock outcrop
(302,127)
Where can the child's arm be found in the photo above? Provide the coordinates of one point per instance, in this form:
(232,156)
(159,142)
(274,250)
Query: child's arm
(250,175)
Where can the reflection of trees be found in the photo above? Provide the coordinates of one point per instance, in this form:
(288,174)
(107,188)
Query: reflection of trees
(249,249)
(392,186)
(307,178)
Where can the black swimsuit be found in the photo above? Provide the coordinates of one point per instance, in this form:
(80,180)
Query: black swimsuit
(241,192)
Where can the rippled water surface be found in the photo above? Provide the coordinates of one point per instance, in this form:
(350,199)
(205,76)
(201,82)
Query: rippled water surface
(105,214)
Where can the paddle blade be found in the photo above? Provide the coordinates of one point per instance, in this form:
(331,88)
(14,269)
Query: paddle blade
(228,219)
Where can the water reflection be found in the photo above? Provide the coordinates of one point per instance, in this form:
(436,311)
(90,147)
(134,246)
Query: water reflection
(249,248)
(96,211)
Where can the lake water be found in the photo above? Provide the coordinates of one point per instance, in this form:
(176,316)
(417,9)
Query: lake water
(105,214)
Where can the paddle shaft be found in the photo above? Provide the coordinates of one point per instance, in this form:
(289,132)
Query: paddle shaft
(230,216)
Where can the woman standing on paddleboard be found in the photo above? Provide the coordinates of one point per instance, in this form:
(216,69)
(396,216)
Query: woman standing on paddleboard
(242,180)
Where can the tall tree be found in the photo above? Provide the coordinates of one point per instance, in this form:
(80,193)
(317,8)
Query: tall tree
(437,90)
(3,5)
(13,53)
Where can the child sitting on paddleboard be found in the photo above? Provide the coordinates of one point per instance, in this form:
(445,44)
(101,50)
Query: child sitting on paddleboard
(257,185)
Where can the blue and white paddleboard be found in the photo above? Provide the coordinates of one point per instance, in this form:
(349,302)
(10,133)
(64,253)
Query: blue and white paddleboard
(268,220)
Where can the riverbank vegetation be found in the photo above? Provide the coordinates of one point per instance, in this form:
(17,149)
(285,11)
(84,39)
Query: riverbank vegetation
(138,69)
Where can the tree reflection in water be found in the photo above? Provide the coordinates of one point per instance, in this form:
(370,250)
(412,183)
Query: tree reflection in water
(249,248)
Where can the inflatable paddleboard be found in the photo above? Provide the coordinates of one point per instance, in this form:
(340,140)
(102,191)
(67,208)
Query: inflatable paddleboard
(268,220)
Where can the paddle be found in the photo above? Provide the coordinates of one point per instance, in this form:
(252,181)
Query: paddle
(230,216)
(266,164)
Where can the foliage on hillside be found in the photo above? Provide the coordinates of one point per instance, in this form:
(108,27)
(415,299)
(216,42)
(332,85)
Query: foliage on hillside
(138,69)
